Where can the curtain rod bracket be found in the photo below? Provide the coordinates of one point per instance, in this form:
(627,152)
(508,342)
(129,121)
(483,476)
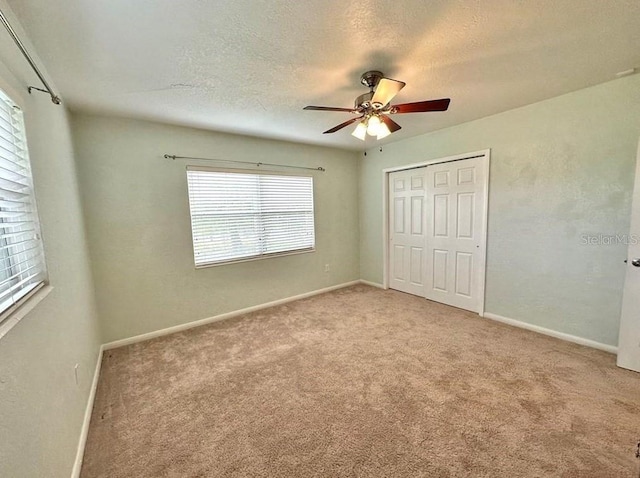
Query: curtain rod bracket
(54,98)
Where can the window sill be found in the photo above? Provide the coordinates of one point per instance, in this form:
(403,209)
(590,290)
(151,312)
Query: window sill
(12,320)
(255,258)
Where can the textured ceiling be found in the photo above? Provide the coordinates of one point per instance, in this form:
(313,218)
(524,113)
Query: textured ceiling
(250,66)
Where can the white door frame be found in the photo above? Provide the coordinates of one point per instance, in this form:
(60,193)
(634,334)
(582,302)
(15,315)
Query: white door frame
(486,155)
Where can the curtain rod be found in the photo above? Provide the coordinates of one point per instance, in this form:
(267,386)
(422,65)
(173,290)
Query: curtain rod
(54,98)
(174,157)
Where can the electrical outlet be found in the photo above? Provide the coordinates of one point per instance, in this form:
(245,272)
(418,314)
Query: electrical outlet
(327,268)
(75,371)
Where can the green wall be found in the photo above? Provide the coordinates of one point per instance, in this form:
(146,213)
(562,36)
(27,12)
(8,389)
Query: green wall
(560,169)
(139,231)
(41,407)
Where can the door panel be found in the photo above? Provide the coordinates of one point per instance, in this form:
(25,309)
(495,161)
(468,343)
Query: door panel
(454,275)
(407,235)
(441,215)
(398,263)
(417,215)
(440,270)
(464,273)
(416,272)
(441,179)
(399,215)
(466,176)
(465,215)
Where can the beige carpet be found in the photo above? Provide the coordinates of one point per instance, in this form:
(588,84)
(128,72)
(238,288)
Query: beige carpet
(362,383)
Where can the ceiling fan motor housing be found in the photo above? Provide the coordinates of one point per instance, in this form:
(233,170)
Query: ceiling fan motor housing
(371,78)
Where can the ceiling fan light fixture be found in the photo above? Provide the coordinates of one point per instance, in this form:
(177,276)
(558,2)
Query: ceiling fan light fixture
(361,130)
(373,126)
(383,131)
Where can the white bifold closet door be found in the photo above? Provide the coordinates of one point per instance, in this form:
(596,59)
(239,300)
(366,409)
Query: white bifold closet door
(436,232)
(455,208)
(407,231)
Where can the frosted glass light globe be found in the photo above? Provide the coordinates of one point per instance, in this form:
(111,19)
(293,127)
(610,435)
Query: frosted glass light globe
(373,126)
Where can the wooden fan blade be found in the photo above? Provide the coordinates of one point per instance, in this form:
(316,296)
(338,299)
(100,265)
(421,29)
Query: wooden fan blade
(328,108)
(385,91)
(342,125)
(422,106)
(392,125)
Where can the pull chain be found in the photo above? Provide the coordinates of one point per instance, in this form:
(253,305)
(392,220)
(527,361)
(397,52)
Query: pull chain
(638,455)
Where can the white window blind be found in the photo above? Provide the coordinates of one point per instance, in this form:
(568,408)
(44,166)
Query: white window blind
(22,266)
(236,216)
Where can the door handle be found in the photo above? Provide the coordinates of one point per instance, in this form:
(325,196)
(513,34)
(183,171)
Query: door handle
(635,262)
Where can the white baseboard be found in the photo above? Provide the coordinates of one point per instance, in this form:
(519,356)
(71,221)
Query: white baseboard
(216,318)
(372,284)
(84,432)
(552,333)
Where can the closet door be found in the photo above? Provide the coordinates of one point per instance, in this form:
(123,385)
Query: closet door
(407,231)
(455,211)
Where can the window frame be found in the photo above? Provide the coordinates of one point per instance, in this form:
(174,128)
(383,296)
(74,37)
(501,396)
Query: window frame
(35,293)
(255,257)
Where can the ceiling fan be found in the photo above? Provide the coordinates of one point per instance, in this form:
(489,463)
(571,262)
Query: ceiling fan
(373,108)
